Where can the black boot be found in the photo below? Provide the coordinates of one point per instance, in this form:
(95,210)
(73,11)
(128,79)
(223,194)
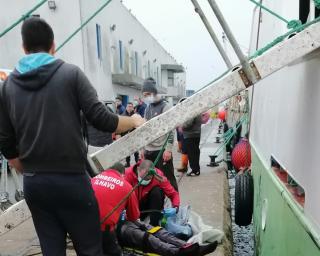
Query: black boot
(208,248)
(189,250)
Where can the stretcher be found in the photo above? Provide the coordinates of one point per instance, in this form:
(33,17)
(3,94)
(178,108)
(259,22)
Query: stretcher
(132,251)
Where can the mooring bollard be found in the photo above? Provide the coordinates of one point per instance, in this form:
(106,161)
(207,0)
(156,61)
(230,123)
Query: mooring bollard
(213,162)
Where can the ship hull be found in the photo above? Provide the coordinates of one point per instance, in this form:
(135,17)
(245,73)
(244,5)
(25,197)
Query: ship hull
(285,231)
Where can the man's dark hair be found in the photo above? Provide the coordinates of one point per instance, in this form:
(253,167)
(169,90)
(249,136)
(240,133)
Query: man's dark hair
(119,167)
(37,35)
(146,164)
(130,103)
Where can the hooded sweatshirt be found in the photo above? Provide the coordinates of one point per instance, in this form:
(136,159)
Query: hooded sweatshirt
(40,119)
(153,110)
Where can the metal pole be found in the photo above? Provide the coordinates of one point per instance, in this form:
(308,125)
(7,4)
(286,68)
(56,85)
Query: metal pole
(212,34)
(232,40)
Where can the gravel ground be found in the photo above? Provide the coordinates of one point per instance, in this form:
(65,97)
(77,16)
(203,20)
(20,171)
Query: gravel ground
(243,237)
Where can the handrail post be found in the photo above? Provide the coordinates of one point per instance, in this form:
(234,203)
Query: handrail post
(212,34)
(243,59)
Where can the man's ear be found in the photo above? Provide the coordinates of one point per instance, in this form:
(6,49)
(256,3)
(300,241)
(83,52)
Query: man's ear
(52,50)
(25,50)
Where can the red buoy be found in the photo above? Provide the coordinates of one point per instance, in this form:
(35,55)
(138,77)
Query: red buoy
(222,115)
(241,155)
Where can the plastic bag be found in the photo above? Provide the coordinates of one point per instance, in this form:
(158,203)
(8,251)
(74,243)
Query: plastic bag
(177,224)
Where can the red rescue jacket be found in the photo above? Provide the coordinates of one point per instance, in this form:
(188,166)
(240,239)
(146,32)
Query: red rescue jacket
(142,191)
(110,188)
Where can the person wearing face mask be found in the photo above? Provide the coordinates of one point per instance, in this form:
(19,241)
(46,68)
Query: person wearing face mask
(110,187)
(152,191)
(157,106)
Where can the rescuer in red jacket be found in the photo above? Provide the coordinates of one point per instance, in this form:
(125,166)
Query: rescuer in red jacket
(110,188)
(152,191)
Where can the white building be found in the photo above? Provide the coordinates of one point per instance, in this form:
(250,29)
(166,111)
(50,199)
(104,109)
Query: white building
(114,49)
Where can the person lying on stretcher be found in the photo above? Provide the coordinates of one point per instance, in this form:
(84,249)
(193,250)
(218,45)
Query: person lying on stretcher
(110,187)
(147,238)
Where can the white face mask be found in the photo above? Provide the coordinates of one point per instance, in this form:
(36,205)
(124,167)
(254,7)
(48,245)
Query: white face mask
(149,99)
(144,182)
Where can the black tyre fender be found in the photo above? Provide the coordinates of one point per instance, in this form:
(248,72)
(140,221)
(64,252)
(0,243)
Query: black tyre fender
(243,199)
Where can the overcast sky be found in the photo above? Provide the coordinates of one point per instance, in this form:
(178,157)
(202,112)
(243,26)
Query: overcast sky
(180,30)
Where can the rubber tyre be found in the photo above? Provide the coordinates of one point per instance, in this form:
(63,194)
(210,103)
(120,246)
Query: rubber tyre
(243,199)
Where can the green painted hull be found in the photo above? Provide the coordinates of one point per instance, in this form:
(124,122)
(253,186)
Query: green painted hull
(287,231)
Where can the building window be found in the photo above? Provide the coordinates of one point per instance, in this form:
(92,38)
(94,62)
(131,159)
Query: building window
(304,10)
(149,69)
(136,59)
(170,78)
(99,48)
(158,80)
(121,54)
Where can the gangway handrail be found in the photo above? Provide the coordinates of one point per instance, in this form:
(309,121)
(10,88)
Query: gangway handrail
(23,17)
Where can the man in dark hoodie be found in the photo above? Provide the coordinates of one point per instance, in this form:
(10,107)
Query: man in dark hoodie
(41,136)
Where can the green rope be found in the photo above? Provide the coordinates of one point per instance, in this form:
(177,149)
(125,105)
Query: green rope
(268,46)
(152,170)
(290,24)
(283,37)
(83,25)
(23,17)
(269,11)
(229,137)
(317,3)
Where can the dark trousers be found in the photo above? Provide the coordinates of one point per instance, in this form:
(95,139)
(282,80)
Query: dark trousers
(193,151)
(136,158)
(154,201)
(63,204)
(110,244)
(135,235)
(166,167)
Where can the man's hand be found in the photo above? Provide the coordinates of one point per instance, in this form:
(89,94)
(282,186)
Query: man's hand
(137,120)
(167,155)
(16,164)
(142,154)
(128,123)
